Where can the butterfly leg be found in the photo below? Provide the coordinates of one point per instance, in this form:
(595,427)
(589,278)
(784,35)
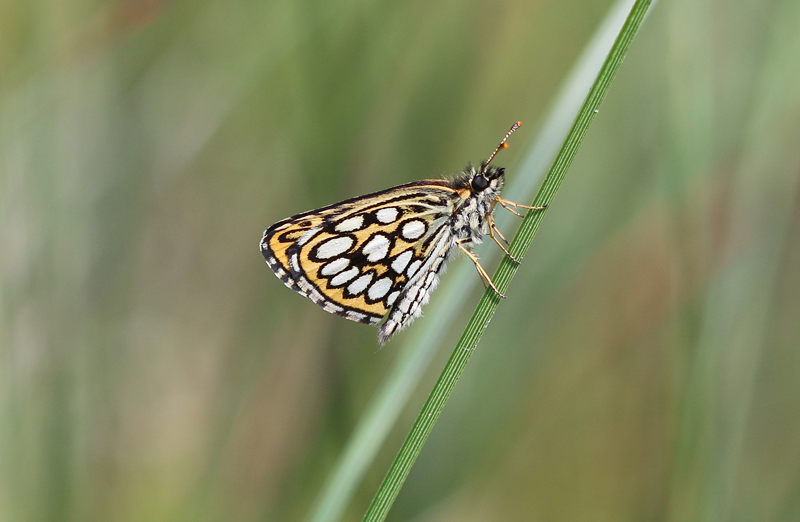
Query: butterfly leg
(494,230)
(506,204)
(481,271)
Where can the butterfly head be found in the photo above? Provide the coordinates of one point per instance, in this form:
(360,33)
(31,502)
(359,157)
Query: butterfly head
(488,179)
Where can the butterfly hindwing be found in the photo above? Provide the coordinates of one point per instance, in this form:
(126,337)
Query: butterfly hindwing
(358,257)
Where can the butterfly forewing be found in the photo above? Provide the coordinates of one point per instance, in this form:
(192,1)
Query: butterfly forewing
(361,256)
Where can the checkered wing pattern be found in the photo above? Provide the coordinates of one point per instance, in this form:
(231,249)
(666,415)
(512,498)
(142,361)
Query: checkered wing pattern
(366,256)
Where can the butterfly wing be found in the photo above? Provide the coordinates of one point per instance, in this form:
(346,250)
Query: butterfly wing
(359,257)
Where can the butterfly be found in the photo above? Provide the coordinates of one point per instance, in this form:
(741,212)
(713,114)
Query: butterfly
(380,255)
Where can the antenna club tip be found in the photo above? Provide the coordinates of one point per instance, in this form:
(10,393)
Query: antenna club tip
(519,124)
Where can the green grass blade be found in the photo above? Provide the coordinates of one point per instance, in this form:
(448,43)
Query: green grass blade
(384,409)
(390,487)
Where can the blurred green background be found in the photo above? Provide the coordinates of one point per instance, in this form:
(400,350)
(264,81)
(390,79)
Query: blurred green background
(646,365)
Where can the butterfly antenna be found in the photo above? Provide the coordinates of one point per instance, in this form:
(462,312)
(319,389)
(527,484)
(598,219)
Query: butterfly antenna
(503,144)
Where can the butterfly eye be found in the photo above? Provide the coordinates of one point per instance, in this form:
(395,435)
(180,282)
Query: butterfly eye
(479,183)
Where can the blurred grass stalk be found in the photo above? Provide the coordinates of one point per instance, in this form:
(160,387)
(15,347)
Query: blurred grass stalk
(737,311)
(412,363)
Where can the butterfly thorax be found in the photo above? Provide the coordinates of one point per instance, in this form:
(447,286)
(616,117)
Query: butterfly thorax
(469,220)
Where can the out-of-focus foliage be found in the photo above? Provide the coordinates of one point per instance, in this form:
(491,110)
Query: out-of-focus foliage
(644,367)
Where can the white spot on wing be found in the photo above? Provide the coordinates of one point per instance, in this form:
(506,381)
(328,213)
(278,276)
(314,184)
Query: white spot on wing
(392,298)
(350,224)
(335,266)
(334,247)
(308,235)
(401,262)
(377,248)
(344,277)
(379,288)
(413,229)
(387,215)
(358,286)
(355,315)
(295,263)
(413,268)
(403,306)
